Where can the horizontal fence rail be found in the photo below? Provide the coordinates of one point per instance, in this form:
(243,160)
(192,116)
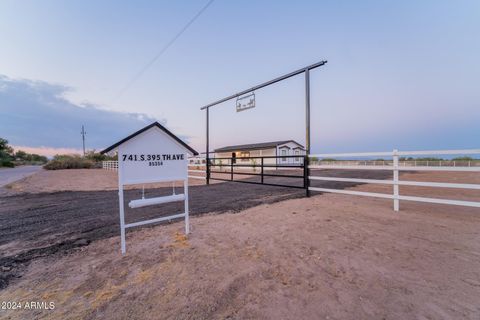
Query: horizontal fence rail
(395,166)
(197,165)
(399,168)
(404,163)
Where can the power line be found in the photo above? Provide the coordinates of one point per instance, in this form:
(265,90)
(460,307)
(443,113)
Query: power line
(163,50)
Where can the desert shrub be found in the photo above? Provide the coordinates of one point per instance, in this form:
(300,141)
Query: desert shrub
(67,161)
(6,163)
(95,156)
(464,159)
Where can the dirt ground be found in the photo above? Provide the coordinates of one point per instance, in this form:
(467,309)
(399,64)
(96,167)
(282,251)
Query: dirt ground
(49,223)
(41,224)
(271,255)
(73,180)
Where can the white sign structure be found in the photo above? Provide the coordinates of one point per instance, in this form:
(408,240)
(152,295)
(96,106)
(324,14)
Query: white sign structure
(152,154)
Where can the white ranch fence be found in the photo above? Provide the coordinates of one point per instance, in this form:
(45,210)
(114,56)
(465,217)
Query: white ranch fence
(110,165)
(197,165)
(402,163)
(395,166)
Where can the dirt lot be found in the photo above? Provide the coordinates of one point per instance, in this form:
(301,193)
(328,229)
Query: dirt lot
(49,223)
(72,180)
(41,224)
(330,256)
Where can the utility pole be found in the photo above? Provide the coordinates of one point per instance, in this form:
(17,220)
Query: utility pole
(83,133)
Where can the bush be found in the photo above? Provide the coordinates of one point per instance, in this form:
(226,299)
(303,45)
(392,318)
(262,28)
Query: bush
(6,163)
(95,156)
(464,159)
(66,161)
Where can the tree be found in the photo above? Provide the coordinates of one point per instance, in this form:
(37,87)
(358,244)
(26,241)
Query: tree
(95,156)
(6,154)
(38,158)
(20,154)
(5,148)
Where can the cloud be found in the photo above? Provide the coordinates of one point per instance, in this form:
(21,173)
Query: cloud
(36,114)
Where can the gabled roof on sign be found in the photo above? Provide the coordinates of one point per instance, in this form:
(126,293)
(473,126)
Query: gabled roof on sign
(159,126)
(256,146)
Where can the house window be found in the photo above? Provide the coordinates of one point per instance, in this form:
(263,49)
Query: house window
(297,152)
(244,154)
(284,153)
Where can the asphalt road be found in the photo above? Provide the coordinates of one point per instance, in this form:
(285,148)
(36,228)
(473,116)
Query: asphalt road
(9,175)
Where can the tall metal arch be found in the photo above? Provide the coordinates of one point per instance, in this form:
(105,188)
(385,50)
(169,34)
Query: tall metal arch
(305,70)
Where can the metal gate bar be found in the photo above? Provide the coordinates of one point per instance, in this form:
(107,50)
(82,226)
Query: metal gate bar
(261,166)
(256,165)
(253,182)
(258,174)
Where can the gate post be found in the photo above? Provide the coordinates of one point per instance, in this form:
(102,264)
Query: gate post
(306,181)
(307,131)
(207,155)
(261,168)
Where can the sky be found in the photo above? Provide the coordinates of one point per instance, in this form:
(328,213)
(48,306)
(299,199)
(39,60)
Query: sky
(401,74)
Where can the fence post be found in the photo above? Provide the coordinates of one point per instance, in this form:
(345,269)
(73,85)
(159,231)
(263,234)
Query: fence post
(261,168)
(231,169)
(396,201)
(306,180)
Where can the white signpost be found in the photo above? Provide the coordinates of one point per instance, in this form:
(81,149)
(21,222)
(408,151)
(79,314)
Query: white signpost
(150,155)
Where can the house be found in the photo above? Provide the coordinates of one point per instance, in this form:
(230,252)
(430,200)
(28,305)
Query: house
(241,153)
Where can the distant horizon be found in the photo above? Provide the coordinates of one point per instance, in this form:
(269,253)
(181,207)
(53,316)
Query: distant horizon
(400,75)
(51,152)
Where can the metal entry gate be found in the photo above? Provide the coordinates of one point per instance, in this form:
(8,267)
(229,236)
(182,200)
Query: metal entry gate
(265,167)
(306,70)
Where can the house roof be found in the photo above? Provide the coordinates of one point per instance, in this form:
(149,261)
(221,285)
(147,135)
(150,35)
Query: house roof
(255,146)
(155,124)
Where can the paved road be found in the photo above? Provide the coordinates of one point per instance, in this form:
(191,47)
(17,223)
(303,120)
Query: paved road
(9,175)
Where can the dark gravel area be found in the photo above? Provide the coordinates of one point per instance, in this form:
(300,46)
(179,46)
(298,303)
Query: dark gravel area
(43,224)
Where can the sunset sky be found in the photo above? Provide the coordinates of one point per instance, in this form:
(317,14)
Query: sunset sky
(401,74)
